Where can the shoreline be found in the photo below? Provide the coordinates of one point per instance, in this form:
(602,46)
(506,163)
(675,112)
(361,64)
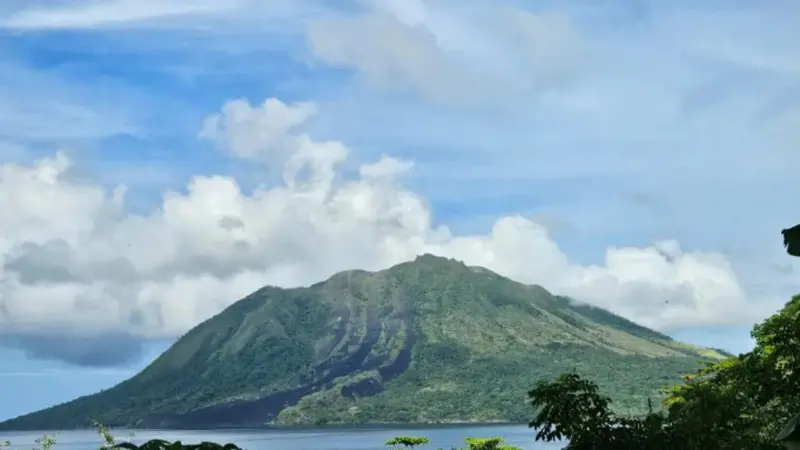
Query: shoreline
(299,428)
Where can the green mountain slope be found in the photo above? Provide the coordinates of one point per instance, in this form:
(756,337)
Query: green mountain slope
(431,340)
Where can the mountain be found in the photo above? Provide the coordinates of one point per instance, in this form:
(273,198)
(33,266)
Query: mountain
(431,340)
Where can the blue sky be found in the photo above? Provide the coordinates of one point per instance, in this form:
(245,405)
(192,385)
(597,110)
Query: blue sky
(160,160)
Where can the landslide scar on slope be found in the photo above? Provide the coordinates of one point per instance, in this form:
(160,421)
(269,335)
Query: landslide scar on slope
(260,411)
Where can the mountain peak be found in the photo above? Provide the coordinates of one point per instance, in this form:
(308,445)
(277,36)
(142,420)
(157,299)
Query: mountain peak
(426,334)
(436,259)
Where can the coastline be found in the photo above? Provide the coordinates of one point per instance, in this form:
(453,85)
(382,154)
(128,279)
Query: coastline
(331,427)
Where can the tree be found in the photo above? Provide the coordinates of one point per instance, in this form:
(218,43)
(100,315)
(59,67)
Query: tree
(739,403)
(791,240)
(572,409)
(407,441)
(706,416)
(491,443)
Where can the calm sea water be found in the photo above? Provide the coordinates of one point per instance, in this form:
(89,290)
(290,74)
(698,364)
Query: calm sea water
(320,439)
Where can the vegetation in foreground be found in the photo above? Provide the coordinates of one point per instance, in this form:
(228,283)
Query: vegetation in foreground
(742,403)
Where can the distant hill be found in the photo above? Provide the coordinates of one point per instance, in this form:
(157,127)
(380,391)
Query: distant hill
(431,340)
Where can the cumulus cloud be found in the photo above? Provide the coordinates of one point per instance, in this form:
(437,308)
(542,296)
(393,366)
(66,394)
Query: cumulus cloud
(75,261)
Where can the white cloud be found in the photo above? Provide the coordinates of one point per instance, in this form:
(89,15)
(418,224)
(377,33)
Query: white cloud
(38,15)
(74,260)
(484,57)
(661,101)
(258,134)
(592,107)
(99,13)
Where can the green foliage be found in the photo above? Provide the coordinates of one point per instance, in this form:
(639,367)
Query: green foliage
(572,409)
(492,443)
(108,440)
(761,386)
(159,444)
(407,441)
(46,442)
(739,403)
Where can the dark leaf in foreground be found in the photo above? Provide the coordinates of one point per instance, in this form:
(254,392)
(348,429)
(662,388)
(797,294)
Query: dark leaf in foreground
(791,240)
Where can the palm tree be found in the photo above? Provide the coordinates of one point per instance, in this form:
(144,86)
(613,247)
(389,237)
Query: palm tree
(791,240)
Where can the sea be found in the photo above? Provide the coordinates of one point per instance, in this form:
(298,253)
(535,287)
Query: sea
(307,439)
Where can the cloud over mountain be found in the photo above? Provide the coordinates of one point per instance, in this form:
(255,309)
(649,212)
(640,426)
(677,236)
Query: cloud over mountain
(75,261)
(639,156)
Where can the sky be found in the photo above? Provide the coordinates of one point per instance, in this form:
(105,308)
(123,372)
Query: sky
(160,160)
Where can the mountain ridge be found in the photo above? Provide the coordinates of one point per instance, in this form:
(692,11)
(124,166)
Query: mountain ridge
(404,344)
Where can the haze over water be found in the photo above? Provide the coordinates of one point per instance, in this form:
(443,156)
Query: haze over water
(319,439)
